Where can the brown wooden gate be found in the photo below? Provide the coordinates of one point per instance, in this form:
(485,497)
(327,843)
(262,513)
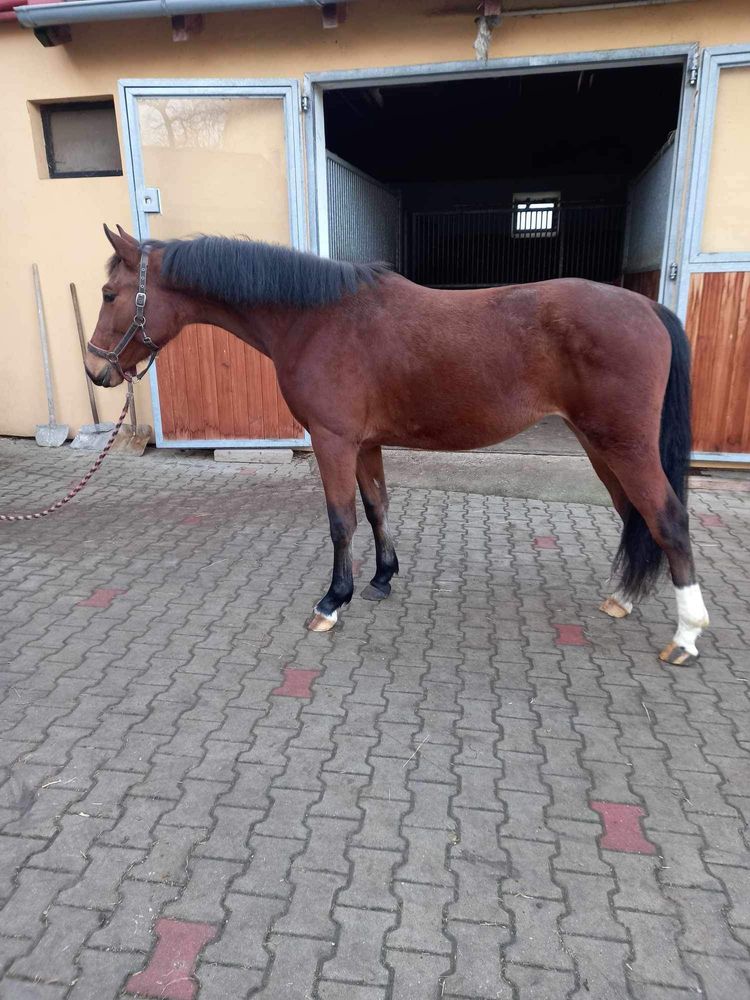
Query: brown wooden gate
(213,388)
(718,325)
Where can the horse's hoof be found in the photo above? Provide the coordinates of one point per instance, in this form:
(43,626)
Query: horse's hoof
(612,607)
(322,623)
(372,593)
(678,656)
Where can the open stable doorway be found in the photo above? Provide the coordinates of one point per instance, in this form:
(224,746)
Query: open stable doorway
(493,180)
(466,183)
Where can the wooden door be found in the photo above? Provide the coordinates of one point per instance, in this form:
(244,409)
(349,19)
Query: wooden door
(225,160)
(212,387)
(718,324)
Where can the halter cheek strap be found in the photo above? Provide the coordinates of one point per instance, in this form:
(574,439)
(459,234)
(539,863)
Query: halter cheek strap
(136,330)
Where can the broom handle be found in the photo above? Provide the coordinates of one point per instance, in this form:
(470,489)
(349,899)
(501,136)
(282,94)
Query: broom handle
(45,349)
(82,341)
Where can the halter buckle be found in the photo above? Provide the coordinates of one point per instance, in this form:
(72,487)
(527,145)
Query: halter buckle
(140,300)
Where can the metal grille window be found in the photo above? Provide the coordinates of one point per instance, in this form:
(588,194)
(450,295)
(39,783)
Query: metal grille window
(475,248)
(80,139)
(536,214)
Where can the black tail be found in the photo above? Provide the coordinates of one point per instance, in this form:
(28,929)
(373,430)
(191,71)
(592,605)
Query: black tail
(639,559)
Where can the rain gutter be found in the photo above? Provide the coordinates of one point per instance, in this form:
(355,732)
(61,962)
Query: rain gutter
(41,15)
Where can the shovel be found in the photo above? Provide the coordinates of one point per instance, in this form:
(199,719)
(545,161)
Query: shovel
(90,437)
(133,437)
(50,435)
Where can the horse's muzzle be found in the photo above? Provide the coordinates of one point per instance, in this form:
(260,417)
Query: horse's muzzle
(103,378)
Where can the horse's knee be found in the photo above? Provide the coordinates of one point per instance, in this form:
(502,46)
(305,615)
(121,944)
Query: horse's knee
(342,523)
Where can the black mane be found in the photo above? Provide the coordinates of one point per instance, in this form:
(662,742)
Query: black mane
(244,272)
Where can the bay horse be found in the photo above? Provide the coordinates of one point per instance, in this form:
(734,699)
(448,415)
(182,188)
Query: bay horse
(365,358)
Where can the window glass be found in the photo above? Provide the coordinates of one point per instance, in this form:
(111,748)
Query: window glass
(81,139)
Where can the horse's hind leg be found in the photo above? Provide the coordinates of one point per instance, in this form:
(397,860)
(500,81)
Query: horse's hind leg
(337,461)
(616,605)
(371,479)
(666,517)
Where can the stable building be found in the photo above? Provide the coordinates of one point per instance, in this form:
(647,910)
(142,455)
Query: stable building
(466,144)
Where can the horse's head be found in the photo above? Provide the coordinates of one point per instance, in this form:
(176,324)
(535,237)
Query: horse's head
(129,331)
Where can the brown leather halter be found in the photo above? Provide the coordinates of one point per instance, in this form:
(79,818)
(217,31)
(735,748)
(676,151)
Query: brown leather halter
(136,330)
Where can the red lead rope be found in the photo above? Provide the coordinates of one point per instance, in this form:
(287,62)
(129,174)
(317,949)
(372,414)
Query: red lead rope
(58,504)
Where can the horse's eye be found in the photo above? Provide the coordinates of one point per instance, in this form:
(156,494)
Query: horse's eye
(108,296)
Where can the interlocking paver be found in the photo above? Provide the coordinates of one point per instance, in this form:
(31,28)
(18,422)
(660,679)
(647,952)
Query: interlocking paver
(358,948)
(53,958)
(417,976)
(479,967)
(294,967)
(441,798)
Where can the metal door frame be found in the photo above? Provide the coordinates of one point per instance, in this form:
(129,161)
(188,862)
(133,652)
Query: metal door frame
(696,261)
(315,84)
(288,92)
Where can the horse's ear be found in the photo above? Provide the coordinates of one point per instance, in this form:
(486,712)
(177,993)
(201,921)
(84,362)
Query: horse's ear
(127,236)
(125,250)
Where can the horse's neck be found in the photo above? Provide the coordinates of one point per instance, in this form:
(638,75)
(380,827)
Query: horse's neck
(260,327)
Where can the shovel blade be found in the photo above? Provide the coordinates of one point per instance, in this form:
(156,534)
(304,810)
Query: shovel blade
(132,441)
(92,437)
(51,435)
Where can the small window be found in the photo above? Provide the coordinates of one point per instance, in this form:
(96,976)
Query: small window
(536,214)
(80,139)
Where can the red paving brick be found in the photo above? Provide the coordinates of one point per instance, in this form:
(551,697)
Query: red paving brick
(711,521)
(622,828)
(101,598)
(296,683)
(570,635)
(169,973)
(545,542)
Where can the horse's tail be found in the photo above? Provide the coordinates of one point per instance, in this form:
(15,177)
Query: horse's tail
(639,559)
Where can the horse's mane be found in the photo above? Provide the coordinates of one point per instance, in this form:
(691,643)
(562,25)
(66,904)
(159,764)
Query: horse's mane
(245,272)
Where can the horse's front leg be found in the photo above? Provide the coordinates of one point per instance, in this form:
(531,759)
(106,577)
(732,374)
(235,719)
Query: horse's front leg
(371,479)
(337,461)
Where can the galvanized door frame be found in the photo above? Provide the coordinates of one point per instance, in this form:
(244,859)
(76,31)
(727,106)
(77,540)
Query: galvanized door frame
(694,260)
(288,92)
(315,84)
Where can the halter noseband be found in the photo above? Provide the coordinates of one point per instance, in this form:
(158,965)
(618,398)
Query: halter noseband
(137,329)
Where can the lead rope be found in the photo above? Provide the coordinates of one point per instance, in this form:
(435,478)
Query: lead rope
(59,504)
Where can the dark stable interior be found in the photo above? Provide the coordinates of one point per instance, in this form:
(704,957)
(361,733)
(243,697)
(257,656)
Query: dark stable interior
(464,154)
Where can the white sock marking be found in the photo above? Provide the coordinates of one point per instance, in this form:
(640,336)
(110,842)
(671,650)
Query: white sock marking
(333,617)
(692,616)
(624,603)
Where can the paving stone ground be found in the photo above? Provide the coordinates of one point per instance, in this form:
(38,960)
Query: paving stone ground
(478,789)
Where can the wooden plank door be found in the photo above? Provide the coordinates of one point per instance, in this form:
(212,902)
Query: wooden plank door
(225,160)
(715,287)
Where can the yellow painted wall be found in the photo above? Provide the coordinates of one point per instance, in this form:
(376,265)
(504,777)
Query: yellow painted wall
(57,223)
(726,224)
